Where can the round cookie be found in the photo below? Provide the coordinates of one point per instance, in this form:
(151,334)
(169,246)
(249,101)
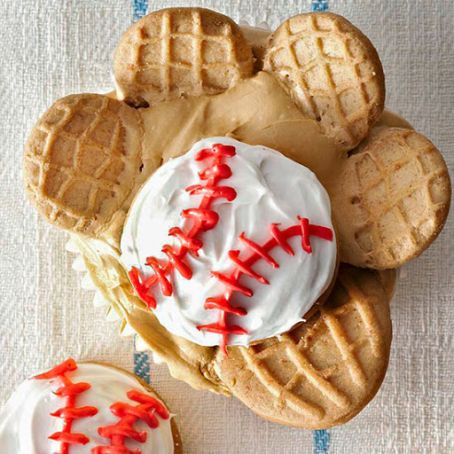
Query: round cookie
(179,52)
(82,161)
(323,372)
(392,199)
(332,72)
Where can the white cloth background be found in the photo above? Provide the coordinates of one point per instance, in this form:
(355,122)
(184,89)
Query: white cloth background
(50,48)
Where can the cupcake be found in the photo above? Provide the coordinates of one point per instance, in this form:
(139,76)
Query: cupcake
(87,407)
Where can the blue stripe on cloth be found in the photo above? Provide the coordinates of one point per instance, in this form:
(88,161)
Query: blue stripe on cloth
(319,5)
(321,442)
(142,366)
(321,438)
(141,359)
(139,9)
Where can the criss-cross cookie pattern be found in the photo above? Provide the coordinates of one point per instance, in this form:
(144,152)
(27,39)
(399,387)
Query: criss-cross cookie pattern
(330,73)
(385,201)
(292,370)
(170,54)
(80,161)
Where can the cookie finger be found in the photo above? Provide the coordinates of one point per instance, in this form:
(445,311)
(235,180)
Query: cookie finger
(325,371)
(332,71)
(179,52)
(392,199)
(81,161)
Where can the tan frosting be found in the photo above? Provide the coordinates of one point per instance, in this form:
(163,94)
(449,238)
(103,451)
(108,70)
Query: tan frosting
(393,120)
(257,38)
(256,111)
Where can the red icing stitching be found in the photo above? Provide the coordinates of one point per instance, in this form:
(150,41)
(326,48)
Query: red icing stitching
(128,415)
(69,391)
(201,219)
(244,267)
(204,218)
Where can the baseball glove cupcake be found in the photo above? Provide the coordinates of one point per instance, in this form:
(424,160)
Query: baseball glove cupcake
(87,407)
(242,206)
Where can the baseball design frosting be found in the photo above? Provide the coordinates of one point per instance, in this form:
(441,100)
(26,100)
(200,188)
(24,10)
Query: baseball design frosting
(85,408)
(230,243)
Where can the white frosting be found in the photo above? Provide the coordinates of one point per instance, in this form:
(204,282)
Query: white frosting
(25,421)
(270,189)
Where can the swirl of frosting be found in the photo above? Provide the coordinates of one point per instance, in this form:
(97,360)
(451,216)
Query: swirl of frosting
(261,190)
(26,421)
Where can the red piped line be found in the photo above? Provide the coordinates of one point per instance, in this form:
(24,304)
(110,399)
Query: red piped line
(222,192)
(128,415)
(141,287)
(161,274)
(200,219)
(260,251)
(221,303)
(69,391)
(305,235)
(245,268)
(179,265)
(191,244)
(279,238)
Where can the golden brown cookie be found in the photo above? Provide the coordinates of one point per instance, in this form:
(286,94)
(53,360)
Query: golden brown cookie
(82,160)
(392,199)
(179,52)
(332,71)
(323,372)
